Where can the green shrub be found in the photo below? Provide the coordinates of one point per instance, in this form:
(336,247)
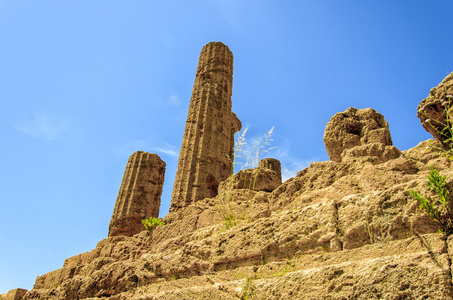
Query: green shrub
(440,210)
(152,223)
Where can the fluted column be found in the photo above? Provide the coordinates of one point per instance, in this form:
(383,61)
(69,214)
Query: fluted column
(208,140)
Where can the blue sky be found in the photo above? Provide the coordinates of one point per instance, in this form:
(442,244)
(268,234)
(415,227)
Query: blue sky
(84,84)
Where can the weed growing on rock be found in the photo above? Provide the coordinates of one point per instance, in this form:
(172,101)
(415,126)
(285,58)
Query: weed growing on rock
(152,223)
(248,290)
(289,267)
(247,157)
(439,210)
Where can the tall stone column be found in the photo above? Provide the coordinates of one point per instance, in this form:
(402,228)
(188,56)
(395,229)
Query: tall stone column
(208,140)
(139,195)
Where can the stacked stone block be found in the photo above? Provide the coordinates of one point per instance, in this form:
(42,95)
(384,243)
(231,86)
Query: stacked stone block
(272,164)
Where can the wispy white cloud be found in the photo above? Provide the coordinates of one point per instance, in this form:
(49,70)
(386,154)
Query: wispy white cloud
(167,149)
(291,167)
(43,126)
(290,164)
(141,145)
(174,100)
(235,12)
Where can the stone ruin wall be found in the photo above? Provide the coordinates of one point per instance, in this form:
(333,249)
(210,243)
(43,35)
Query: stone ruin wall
(139,194)
(208,140)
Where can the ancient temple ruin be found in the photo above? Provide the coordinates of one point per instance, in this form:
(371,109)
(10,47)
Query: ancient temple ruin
(139,194)
(208,142)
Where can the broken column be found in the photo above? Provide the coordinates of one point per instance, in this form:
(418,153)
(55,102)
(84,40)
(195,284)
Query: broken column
(208,142)
(266,177)
(272,164)
(139,194)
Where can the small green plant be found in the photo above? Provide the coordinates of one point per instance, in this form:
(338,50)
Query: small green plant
(152,223)
(439,210)
(289,267)
(248,290)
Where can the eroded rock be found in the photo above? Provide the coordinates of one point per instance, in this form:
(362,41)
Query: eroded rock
(266,177)
(432,109)
(15,294)
(339,230)
(355,127)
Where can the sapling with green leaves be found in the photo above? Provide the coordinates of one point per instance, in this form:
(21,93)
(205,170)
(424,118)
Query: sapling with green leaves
(440,209)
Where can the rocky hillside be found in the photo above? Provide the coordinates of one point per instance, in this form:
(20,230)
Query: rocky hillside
(341,229)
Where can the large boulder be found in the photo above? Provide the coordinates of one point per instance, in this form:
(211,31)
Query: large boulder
(433,110)
(355,127)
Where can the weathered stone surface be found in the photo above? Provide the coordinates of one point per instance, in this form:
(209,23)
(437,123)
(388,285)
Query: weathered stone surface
(266,177)
(380,152)
(210,127)
(139,194)
(15,294)
(433,108)
(355,127)
(272,164)
(336,230)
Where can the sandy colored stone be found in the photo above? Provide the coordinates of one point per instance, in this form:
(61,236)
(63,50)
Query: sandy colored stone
(355,127)
(15,294)
(139,194)
(336,230)
(434,107)
(207,146)
(272,164)
(266,177)
(380,152)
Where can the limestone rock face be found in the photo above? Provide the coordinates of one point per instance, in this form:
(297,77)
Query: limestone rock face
(15,294)
(378,151)
(208,140)
(338,230)
(266,177)
(433,108)
(139,194)
(355,127)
